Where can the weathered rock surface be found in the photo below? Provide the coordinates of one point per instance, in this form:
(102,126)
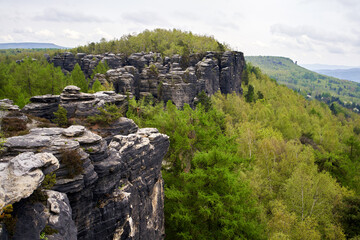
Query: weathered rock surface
(118,195)
(56,214)
(22,175)
(178,78)
(76,103)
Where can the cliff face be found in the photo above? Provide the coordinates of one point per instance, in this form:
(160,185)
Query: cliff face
(179,79)
(118,194)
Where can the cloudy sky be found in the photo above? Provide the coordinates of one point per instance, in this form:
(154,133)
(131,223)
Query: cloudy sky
(308,31)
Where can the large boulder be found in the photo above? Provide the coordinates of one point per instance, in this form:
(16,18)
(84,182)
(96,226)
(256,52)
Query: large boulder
(22,175)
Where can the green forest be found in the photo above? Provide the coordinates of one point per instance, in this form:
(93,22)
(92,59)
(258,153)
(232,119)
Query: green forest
(268,164)
(322,87)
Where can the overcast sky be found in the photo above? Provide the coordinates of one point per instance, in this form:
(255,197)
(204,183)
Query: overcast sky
(307,31)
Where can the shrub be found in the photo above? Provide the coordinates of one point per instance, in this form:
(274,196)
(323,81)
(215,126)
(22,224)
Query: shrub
(72,161)
(12,124)
(96,87)
(204,100)
(2,141)
(109,114)
(61,117)
(39,195)
(48,230)
(154,70)
(8,219)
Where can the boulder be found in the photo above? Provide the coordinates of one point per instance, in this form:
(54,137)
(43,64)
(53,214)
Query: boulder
(23,174)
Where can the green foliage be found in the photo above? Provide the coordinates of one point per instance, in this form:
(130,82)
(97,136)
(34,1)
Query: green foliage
(204,100)
(6,217)
(72,161)
(109,114)
(205,198)
(321,87)
(39,195)
(61,117)
(42,236)
(100,68)
(249,96)
(48,230)
(212,203)
(49,181)
(78,78)
(20,81)
(154,70)
(2,141)
(96,87)
(166,42)
(349,214)
(293,155)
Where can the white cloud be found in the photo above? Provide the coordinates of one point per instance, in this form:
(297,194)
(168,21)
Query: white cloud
(45,33)
(7,38)
(26,30)
(57,15)
(144,18)
(72,34)
(102,34)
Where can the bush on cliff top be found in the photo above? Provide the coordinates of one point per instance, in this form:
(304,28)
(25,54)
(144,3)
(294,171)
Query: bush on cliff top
(166,42)
(109,114)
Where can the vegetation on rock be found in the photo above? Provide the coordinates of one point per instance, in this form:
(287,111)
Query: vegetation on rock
(61,117)
(72,161)
(108,114)
(166,42)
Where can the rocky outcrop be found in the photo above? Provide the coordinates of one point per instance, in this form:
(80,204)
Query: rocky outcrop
(55,214)
(117,195)
(76,103)
(179,78)
(23,174)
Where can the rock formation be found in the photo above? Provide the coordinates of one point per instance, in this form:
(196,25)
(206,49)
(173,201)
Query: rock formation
(179,78)
(118,193)
(76,103)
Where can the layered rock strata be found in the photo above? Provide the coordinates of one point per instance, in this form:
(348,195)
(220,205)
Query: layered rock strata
(118,194)
(179,78)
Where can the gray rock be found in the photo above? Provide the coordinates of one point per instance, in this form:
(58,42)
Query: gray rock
(74,131)
(22,175)
(3,233)
(56,214)
(42,109)
(119,194)
(185,77)
(60,216)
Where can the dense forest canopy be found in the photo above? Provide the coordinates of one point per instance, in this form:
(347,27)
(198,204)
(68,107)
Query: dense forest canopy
(327,89)
(270,166)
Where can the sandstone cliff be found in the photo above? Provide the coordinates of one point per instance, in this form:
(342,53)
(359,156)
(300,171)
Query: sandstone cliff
(178,78)
(118,194)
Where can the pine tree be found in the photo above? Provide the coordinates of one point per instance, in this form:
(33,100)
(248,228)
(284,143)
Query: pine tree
(78,78)
(249,96)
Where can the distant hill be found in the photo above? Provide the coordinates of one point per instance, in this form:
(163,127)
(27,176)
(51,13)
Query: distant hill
(352,74)
(315,67)
(29,45)
(307,82)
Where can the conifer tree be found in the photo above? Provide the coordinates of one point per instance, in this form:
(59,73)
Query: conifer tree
(78,78)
